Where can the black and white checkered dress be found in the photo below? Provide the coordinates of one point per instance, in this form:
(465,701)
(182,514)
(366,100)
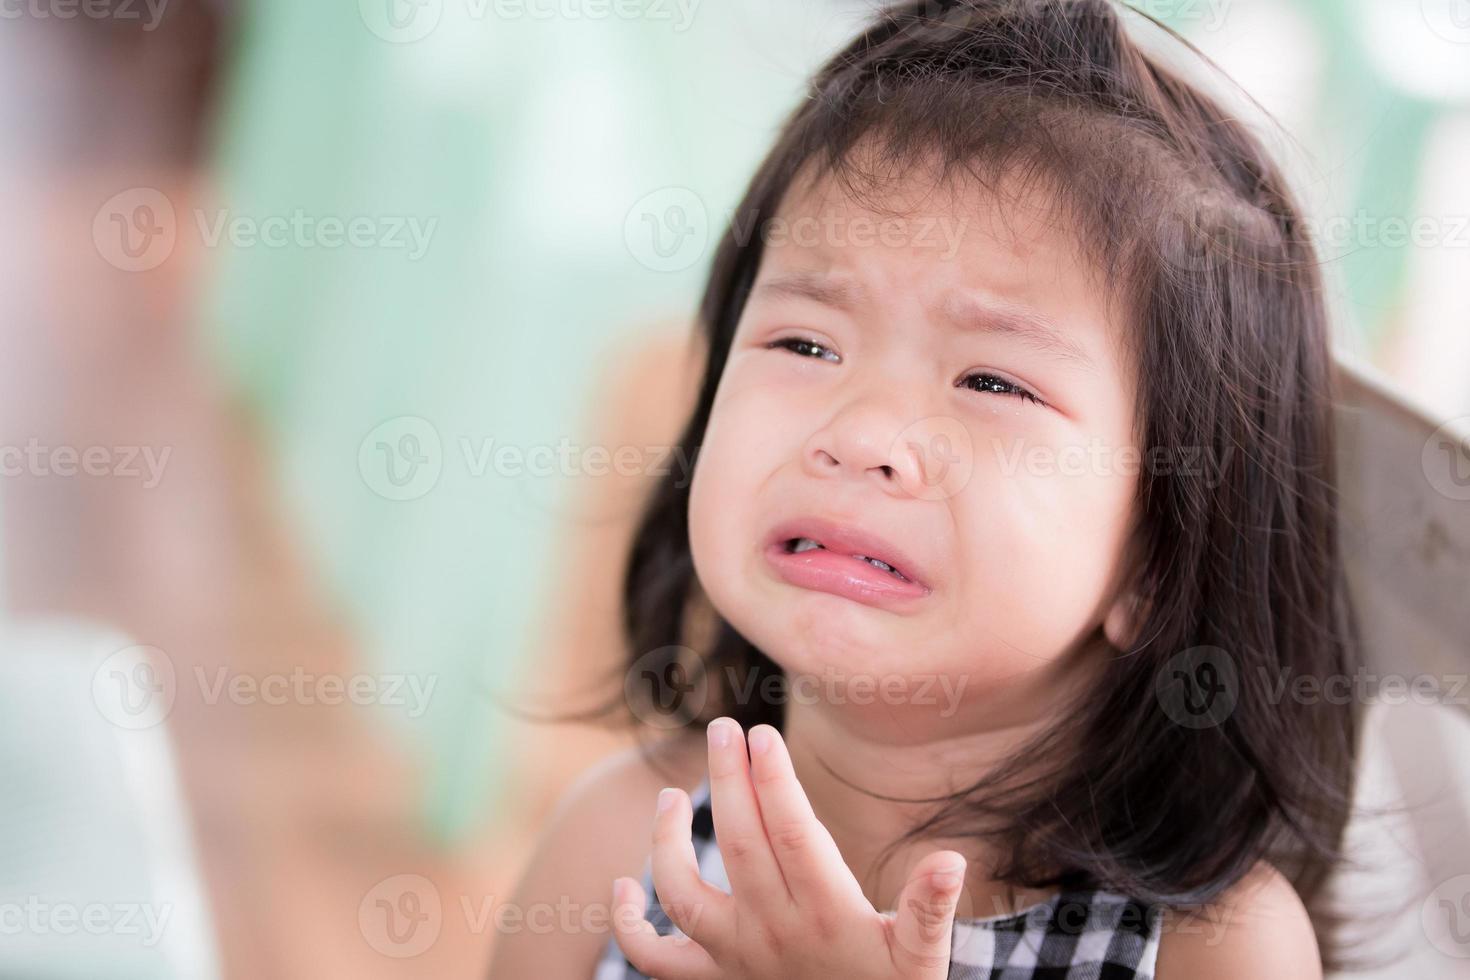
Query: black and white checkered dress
(1075,935)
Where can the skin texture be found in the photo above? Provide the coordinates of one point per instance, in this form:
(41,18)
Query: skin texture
(1022,545)
(1260,928)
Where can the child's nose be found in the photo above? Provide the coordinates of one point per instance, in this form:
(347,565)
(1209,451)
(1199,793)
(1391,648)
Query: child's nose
(872,441)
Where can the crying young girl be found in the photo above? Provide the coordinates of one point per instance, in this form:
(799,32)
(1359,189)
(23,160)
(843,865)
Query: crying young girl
(1013,495)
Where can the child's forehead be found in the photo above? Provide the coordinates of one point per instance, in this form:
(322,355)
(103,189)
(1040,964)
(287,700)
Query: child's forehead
(1002,228)
(1021,214)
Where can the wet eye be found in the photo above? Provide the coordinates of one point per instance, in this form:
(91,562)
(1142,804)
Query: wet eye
(981,381)
(806,348)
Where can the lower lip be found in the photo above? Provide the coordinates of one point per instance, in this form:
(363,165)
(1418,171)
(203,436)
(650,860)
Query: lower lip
(842,575)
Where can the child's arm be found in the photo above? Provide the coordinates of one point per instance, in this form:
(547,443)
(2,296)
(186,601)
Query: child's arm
(1261,929)
(601,829)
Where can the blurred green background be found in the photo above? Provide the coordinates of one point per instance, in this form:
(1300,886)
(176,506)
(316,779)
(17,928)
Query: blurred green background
(532,145)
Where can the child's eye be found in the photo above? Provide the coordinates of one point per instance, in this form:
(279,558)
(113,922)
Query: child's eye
(802,347)
(981,381)
(978,381)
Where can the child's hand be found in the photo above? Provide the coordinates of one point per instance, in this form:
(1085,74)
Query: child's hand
(796,912)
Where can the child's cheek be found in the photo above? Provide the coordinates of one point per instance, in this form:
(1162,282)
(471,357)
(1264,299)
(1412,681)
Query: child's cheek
(1042,522)
(733,462)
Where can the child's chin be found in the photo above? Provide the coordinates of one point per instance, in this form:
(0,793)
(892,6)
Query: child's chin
(840,656)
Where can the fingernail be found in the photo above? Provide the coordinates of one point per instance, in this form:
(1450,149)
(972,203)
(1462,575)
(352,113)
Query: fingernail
(760,739)
(665,799)
(619,890)
(719,732)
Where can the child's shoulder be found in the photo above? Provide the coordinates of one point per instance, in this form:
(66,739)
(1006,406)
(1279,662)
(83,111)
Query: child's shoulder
(1260,928)
(601,829)
(623,787)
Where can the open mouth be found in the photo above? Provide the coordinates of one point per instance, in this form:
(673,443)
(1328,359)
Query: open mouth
(795,546)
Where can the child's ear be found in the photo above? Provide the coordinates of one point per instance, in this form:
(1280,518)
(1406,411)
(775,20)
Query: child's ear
(1123,620)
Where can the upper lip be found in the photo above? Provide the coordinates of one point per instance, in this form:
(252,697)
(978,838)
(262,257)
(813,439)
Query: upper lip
(849,539)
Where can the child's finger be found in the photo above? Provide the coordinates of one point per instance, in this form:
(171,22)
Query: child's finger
(755,877)
(810,861)
(665,957)
(692,904)
(926,909)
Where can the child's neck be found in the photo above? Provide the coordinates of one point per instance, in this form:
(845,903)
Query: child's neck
(954,756)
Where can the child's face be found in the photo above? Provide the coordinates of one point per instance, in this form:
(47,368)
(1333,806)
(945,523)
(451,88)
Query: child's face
(1011,515)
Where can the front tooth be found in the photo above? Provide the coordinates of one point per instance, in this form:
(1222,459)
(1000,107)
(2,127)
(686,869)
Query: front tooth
(881,564)
(807,544)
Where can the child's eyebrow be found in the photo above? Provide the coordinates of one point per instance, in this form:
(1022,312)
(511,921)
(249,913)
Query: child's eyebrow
(965,313)
(1036,329)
